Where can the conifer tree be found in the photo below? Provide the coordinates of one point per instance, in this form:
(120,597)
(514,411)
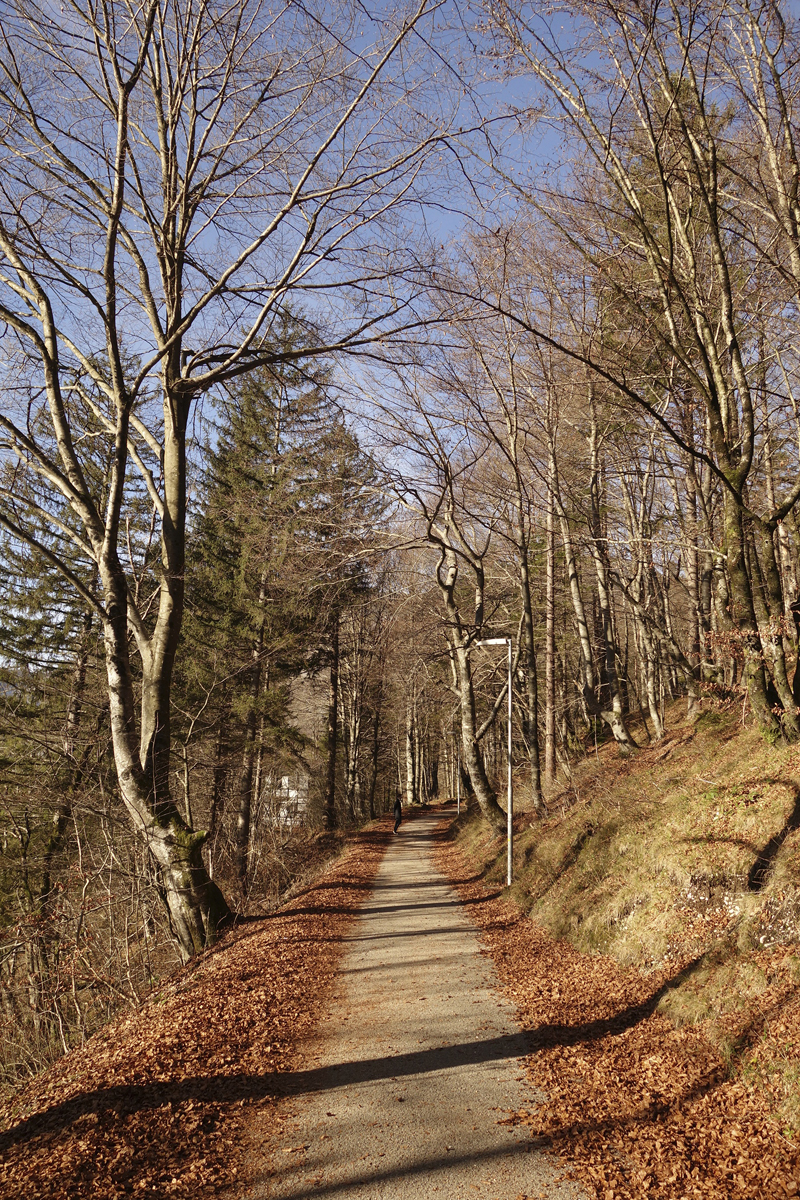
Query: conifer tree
(272,566)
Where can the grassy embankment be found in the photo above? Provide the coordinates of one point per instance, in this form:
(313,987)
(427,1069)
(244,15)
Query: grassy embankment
(686,853)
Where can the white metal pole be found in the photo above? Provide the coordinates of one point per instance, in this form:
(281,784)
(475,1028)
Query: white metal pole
(510,783)
(458,784)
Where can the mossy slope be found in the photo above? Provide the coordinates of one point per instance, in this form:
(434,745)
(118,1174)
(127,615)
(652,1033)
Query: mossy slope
(686,853)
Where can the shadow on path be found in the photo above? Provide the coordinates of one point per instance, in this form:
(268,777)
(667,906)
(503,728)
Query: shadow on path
(423,1166)
(231,1088)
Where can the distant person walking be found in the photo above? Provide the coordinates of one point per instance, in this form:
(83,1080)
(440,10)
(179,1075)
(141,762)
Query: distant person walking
(398,814)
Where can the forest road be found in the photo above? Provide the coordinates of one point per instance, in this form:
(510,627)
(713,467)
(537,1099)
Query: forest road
(416,1063)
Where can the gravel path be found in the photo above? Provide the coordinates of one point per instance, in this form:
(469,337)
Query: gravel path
(417,1060)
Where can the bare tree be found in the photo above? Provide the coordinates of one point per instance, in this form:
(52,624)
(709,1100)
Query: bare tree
(487,380)
(432,475)
(172,173)
(655,193)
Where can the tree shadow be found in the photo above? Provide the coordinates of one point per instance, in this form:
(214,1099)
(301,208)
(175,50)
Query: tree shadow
(420,1169)
(222,1088)
(621,1022)
(759,872)
(765,860)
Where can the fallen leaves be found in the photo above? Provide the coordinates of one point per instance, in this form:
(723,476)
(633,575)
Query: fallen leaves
(158,1104)
(637,1107)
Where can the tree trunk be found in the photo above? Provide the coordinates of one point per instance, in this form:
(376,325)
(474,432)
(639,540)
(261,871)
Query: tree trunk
(250,776)
(195,905)
(611,718)
(693,573)
(411,774)
(615,719)
(333,727)
(352,777)
(745,619)
(472,762)
(550,629)
(376,729)
(249,753)
(470,751)
(772,635)
(217,792)
(422,764)
(529,660)
(352,704)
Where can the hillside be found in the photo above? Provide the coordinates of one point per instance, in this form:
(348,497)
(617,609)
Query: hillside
(667,1019)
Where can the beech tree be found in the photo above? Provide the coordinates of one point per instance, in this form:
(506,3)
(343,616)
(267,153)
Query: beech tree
(172,173)
(683,237)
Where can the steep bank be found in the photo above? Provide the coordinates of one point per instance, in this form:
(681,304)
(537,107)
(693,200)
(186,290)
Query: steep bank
(666,1016)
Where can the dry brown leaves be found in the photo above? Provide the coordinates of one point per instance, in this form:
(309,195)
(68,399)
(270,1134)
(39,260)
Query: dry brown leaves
(638,1107)
(157,1104)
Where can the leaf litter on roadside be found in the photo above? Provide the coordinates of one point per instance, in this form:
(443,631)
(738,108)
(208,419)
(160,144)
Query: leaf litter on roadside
(158,1104)
(636,1106)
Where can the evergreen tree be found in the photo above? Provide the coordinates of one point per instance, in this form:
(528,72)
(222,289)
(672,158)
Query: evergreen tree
(282,475)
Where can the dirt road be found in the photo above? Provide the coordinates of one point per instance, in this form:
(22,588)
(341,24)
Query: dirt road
(416,1063)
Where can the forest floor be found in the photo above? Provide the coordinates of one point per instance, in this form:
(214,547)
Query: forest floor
(635,1105)
(159,1103)
(671,1074)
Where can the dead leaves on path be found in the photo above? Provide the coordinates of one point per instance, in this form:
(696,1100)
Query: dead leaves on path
(156,1104)
(636,1106)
